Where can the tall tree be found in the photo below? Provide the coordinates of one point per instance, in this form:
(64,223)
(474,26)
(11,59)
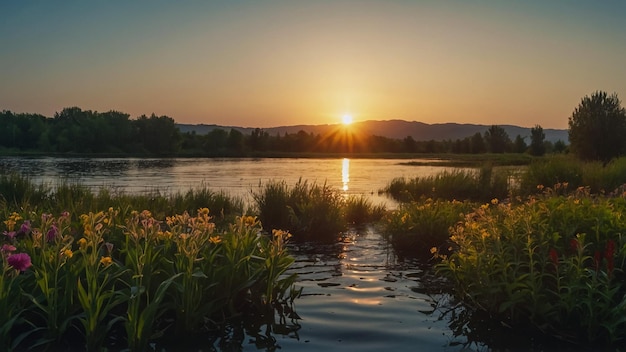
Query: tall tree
(597,128)
(537,147)
(497,139)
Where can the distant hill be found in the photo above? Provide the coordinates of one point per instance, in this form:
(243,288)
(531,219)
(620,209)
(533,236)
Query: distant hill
(397,129)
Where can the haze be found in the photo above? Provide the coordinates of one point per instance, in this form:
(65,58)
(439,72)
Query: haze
(273,63)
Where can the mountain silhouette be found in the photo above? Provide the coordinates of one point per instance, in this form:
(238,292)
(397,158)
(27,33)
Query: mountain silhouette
(396,129)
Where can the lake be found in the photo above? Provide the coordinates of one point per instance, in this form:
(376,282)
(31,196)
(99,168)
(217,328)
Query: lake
(357,294)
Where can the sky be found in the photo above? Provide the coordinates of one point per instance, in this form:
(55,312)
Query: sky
(273,63)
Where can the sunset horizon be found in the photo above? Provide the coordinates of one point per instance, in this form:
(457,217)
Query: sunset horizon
(281,63)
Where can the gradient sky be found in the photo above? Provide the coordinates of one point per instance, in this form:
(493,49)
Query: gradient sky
(271,63)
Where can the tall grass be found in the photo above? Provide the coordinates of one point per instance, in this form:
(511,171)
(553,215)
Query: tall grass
(549,171)
(312,211)
(17,192)
(474,185)
(308,211)
(416,227)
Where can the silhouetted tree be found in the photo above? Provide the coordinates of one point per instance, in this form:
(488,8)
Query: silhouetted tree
(597,128)
(519,145)
(559,147)
(477,144)
(537,138)
(497,139)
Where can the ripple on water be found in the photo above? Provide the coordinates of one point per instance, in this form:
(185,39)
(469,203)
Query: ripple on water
(358,296)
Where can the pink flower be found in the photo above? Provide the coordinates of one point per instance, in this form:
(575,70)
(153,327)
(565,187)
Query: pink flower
(7,248)
(19,261)
(10,234)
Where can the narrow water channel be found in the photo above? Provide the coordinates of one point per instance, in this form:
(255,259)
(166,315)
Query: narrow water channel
(358,296)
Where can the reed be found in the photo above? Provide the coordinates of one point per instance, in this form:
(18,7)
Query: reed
(473,185)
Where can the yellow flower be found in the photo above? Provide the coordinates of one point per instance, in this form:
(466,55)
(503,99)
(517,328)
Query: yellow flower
(433,250)
(215,239)
(82,243)
(494,201)
(68,253)
(203,211)
(106,261)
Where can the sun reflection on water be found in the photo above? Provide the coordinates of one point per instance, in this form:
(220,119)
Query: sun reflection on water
(345,173)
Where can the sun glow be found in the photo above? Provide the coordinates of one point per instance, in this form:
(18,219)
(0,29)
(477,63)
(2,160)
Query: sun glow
(346,119)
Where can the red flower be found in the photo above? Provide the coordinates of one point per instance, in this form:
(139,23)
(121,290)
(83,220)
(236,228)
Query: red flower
(597,257)
(608,255)
(554,256)
(573,243)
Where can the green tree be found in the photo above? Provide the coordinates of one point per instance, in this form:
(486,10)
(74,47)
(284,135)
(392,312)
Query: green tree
(497,139)
(597,128)
(477,144)
(537,147)
(519,146)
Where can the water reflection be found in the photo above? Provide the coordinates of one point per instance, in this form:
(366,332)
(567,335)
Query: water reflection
(345,173)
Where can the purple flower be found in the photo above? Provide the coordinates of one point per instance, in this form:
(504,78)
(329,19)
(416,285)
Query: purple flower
(19,261)
(10,234)
(52,233)
(25,228)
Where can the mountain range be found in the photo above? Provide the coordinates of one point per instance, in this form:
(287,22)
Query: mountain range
(396,129)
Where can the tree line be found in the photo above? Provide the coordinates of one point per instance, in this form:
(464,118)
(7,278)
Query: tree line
(78,131)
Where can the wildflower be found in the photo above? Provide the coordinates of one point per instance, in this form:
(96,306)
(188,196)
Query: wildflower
(576,201)
(52,233)
(9,234)
(109,247)
(82,243)
(203,211)
(65,214)
(573,243)
(25,228)
(608,255)
(7,248)
(596,260)
(554,256)
(19,261)
(106,261)
(68,253)
(494,201)
(484,206)
(540,187)
(215,239)
(433,250)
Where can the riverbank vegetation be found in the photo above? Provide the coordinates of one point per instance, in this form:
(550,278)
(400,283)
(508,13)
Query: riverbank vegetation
(76,132)
(548,259)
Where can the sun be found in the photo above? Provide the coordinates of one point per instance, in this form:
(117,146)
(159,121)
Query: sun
(346,119)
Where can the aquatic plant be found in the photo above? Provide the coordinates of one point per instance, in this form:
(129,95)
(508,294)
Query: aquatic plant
(554,264)
(136,274)
(308,211)
(414,228)
(473,185)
